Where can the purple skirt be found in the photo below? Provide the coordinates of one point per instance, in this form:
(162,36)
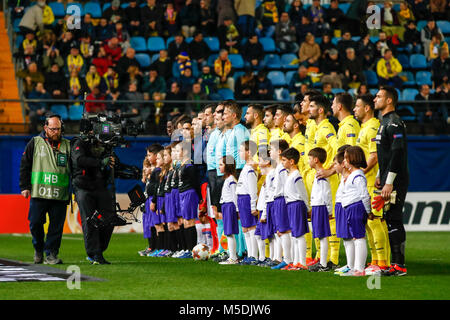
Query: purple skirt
(189,204)
(341,222)
(159,217)
(298,218)
(245,211)
(267,228)
(170,208)
(258,226)
(356,219)
(176,202)
(230,219)
(147,219)
(281,215)
(320,222)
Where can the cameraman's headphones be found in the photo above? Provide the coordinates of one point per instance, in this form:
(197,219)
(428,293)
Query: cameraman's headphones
(54,115)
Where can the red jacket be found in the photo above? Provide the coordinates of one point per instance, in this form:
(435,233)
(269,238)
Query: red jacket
(102,65)
(115,53)
(95,107)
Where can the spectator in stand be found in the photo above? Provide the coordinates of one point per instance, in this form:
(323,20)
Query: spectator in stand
(352,68)
(102,61)
(405,14)
(286,35)
(224,70)
(245,86)
(37,110)
(440,110)
(411,38)
(309,52)
(267,17)
(195,94)
(382,45)
(224,9)
(112,106)
(316,14)
(103,31)
(18,8)
(110,81)
(30,76)
(253,53)
(32,20)
(177,46)
(327,91)
(427,33)
(92,78)
(209,83)
(175,94)
(264,88)
(127,60)
(113,49)
(133,18)
(229,36)
(420,9)
(299,78)
(87,27)
(245,10)
(388,69)
(346,42)
(48,18)
(366,51)
(114,13)
(133,75)
(122,35)
(440,69)
(75,61)
(65,43)
(363,89)
(183,62)
(163,65)
(331,68)
(134,106)
(170,21)
(437,9)
(86,48)
(28,55)
(151,16)
(198,49)
(207,24)
(326,45)
(93,106)
(296,12)
(56,82)
(334,16)
(305,27)
(76,86)
(154,83)
(187,79)
(189,18)
(437,44)
(389,19)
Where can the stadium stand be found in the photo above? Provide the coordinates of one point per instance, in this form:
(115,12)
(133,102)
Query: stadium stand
(92,41)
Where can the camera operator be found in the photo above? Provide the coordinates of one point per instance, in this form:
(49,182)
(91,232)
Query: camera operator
(91,167)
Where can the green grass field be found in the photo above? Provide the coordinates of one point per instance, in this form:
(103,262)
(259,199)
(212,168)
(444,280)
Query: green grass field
(133,277)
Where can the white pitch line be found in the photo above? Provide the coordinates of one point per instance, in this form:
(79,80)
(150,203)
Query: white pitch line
(29,236)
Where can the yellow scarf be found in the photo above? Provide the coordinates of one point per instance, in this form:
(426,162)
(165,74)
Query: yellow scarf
(27,43)
(92,80)
(47,15)
(74,63)
(84,48)
(221,71)
(111,81)
(74,83)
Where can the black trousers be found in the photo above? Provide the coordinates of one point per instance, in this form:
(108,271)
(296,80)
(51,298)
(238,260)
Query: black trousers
(96,240)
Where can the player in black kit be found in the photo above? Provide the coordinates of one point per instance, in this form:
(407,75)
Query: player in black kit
(393,175)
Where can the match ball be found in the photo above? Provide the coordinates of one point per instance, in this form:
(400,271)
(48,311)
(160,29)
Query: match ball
(200,252)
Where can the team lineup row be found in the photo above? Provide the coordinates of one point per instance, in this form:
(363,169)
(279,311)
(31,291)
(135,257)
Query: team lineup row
(287,180)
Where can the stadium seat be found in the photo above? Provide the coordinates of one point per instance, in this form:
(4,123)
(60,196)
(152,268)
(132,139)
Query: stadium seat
(76,112)
(60,110)
(244,111)
(286,60)
(371,77)
(282,94)
(418,61)
(213,43)
(155,44)
(138,44)
(226,93)
(335,91)
(409,76)
(373,91)
(423,77)
(277,78)
(58,9)
(268,44)
(374,39)
(408,94)
(421,24)
(19,40)
(344,7)
(213,57)
(272,61)
(407,113)
(289,76)
(16,23)
(124,5)
(404,60)
(79,5)
(154,57)
(93,8)
(335,40)
(444,25)
(236,61)
(143,59)
(106,6)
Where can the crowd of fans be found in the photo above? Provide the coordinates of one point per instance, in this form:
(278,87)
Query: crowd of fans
(97,58)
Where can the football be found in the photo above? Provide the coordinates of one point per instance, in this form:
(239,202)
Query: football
(200,252)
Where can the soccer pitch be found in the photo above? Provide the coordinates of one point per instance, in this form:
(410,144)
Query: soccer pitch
(143,278)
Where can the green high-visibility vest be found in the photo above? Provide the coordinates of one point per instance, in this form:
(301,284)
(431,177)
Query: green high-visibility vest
(50,171)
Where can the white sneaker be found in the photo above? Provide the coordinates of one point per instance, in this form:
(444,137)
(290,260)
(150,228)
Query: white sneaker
(372,270)
(178,254)
(229,261)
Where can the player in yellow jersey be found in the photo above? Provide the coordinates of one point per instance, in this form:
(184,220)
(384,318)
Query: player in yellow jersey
(280,117)
(292,128)
(376,228)
(259,132)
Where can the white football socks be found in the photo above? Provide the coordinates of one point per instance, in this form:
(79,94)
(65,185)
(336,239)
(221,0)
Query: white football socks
(323,251)
(232,245)
(360,254)
(349,246)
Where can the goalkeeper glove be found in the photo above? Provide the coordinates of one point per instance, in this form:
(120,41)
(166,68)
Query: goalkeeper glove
(378,203)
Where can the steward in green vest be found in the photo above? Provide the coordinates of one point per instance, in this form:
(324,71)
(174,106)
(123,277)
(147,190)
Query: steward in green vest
(44,176)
